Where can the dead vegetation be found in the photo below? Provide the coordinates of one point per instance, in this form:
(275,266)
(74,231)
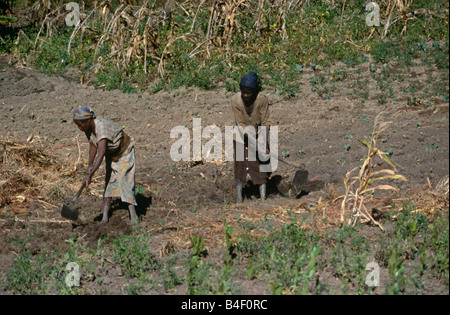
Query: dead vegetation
(431,200)
(30,174)
(361,187)
(143,32)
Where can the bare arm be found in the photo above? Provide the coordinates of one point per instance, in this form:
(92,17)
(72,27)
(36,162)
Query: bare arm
(92,154)
(97,153)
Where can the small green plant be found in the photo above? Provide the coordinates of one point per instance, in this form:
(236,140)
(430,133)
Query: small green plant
(26,276)
(40,272)
(224,282)
(438,241)
(140,189)
(198,272)
(289,258)
(133,254)
(397,274)
(170,278)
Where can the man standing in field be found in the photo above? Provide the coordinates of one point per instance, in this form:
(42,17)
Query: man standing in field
(251,109)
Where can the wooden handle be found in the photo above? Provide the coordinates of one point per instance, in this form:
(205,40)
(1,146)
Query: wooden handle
(282,161)
(287,162)
(79,192)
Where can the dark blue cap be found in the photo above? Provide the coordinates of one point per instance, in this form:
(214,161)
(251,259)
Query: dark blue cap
(250,80)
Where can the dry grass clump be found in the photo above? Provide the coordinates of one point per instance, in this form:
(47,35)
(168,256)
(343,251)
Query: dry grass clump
(432,200)
(16,153)
(28,173)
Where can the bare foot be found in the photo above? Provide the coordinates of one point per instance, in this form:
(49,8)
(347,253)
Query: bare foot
(134,221)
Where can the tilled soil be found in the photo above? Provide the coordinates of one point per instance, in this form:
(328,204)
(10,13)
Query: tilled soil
(178,200)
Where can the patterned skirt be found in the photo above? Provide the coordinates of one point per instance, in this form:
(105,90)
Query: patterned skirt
(119,180)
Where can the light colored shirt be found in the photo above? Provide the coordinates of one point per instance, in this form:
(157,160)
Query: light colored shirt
(106,129)
(260,115)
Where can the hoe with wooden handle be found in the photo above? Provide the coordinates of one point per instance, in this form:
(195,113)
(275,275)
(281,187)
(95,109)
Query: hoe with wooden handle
(300,176)
(68,210)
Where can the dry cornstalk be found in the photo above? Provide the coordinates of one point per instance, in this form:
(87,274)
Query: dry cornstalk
(127,41)
(81,25)
(223,17)
(367,176)
(172,40)
(399,7)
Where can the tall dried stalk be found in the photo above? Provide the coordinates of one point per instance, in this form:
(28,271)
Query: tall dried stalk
(400,8)
(143,33)
(367,177)
(223,19)
(123,34)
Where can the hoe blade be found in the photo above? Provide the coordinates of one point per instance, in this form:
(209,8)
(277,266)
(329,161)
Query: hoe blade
(300,178)
(69,213)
